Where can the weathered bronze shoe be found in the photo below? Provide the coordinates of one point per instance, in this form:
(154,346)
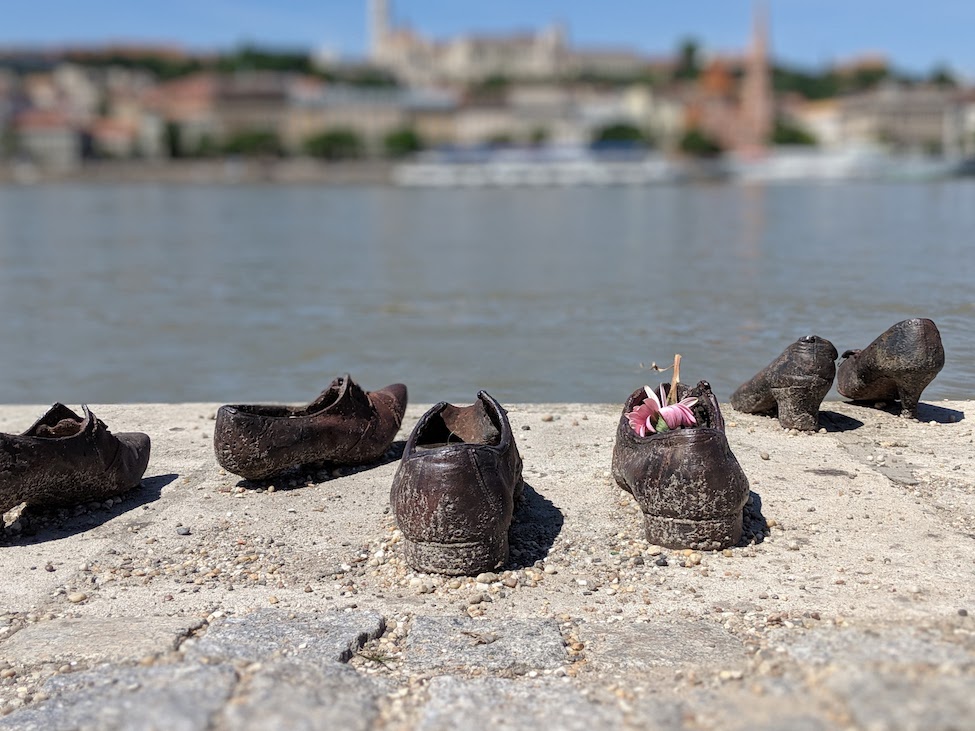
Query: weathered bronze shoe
(897,365)
(793,385)
(344,425)
(65,459)
(455,489)
(687,481)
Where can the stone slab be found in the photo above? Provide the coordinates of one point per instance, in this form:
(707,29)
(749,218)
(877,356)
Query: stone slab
(656,644)
(170,697)
(93,639)
(856,646)
(301,697)
(450,643)
(271,634)
(898,702)
(509,705)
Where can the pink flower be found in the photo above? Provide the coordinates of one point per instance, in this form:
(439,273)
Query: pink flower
(652,416)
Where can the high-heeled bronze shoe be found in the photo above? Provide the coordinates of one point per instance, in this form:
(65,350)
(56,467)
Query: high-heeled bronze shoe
(793,385)
(897,365)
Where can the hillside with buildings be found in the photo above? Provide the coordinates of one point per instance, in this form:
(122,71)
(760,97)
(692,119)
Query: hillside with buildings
(60,109)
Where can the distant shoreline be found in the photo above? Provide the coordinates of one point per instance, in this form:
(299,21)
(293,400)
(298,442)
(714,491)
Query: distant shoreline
(205,172)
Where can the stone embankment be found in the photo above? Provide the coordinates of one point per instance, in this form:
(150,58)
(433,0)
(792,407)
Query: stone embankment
(206,172)
(201,602)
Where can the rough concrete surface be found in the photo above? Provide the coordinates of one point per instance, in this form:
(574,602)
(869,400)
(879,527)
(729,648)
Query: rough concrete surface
(199,601)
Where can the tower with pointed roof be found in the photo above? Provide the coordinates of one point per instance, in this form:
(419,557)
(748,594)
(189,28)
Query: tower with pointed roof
(379,27)
(757,111)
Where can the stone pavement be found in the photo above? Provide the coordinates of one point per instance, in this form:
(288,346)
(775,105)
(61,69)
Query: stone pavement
(198,601)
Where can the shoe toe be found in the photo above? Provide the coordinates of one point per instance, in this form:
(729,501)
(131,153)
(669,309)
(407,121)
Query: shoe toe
(396,396)
(136,456)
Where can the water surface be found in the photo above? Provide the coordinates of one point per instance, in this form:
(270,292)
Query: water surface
(259,293)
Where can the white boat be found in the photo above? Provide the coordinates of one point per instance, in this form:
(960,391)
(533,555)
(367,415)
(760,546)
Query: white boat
(558,167)
(784,164)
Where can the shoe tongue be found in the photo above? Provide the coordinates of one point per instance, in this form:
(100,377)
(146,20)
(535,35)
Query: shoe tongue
(59,421)
(343,396)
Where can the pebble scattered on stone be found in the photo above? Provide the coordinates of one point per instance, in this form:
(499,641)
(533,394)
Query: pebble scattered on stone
(77,597)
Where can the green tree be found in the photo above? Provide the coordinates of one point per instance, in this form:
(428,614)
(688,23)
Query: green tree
(620,132)
(253,142)
(688,64)
(787,133)
(335,144)
(8,141)
(942,76)
(173,140)
(539,136)
(501,139)
(696,143)
(402,142)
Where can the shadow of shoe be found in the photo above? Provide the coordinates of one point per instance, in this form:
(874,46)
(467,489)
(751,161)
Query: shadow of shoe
(930,412)
(925,411)
(322,472)
(833,421)
(39,524)
(754,527)
(534,527)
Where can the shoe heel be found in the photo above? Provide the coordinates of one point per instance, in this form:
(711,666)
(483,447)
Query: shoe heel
(519,493)
(703,535)
(909,388)
(457,559)
(798,406)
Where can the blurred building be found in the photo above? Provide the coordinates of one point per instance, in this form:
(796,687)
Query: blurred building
(48,138)
(732,101)
(315,107)
(540,55)
(925,118)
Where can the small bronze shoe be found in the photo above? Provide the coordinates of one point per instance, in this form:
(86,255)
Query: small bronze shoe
(687,481)
(65,459)
(456,487)
(344,425)
(793,385)
(897,365)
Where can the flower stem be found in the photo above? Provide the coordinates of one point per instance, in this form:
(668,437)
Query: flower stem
(672,396)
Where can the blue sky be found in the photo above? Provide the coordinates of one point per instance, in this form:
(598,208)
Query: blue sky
(810,32)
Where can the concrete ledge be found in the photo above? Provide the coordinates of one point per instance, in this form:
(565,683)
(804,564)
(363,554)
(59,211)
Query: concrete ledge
(856,601)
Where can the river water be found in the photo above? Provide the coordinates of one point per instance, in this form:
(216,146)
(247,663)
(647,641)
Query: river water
(259,293)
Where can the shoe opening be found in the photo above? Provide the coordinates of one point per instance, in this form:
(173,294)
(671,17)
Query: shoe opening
(460,425)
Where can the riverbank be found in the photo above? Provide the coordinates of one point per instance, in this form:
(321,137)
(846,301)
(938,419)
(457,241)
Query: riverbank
(220,604)
(206,172)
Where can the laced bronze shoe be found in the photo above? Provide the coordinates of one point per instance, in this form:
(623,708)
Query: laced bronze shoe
(64,459)
(686,481)
(899,364)
(344,425)
(793,385)
(455,489)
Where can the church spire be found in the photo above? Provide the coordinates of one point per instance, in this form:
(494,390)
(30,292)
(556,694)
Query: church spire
(757,105)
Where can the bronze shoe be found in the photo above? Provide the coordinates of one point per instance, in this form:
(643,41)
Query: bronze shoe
(65,459)
(793,385)
(455,489)
(344,425)
(897,365)
(687,481)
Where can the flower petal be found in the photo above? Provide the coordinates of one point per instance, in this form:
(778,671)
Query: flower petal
(687,416)
(672,416)
(653,396)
